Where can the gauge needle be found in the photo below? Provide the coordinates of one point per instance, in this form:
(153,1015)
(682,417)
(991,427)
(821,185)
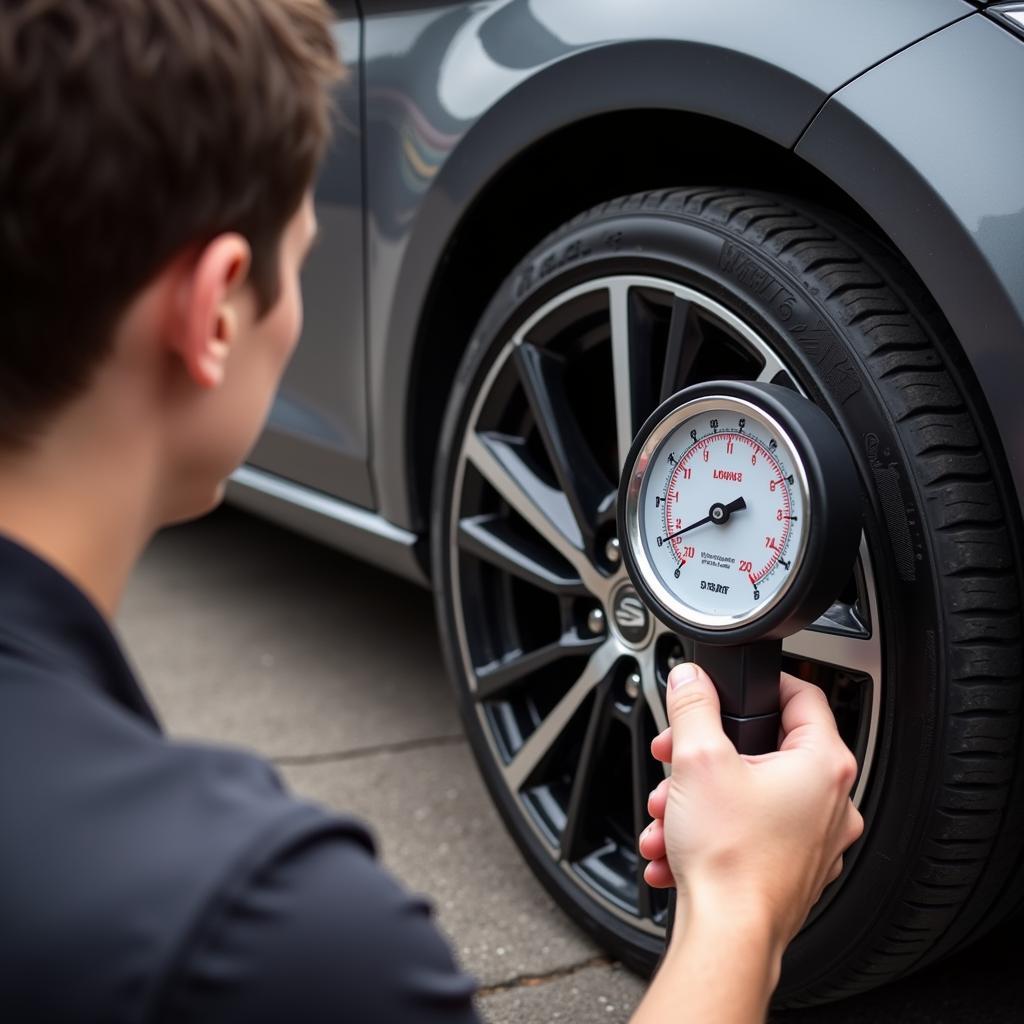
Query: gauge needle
(717,514)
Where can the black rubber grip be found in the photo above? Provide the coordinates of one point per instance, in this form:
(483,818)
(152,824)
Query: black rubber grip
(747,679)
(757,734)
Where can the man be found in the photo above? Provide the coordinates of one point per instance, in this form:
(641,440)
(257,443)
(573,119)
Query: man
(156,160)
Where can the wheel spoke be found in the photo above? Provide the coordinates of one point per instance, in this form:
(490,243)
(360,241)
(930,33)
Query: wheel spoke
(494,539)
(635,390)
(495,679)
(547,733)
(640,764)
(586,768)
(854,653)
(685,339)
(618,298)
(771,369)
(502,462)
(585,485)
(649,685)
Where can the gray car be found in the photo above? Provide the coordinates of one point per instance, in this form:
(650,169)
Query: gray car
(542,216)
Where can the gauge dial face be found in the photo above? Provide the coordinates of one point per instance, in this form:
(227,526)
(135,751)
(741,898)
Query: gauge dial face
(722,512)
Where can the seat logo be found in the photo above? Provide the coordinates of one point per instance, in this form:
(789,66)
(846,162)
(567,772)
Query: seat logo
(630,615)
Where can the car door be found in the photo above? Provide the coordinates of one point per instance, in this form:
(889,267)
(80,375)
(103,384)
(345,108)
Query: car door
(316,435)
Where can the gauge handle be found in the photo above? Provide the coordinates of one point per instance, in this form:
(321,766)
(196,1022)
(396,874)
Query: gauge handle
(747,679)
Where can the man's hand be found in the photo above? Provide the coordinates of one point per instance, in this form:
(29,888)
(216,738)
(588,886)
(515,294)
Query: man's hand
(751,841)
(766,831)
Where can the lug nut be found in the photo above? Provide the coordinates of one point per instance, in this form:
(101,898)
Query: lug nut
(595,621)
(612,551)
(674,659)
(633,685)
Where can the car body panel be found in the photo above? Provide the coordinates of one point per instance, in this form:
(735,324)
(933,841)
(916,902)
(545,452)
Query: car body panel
(931,144)
(909,108)
(317,432)
(323,518)
(453,93)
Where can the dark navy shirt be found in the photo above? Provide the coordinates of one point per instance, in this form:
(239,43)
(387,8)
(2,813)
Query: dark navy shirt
(143,879)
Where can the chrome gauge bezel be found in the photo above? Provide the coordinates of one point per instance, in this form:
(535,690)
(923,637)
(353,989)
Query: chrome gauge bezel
(671,607)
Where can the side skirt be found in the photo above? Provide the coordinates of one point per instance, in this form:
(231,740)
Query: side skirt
(351,529)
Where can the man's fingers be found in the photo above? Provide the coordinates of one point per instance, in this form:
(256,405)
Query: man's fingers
(658,799)
(658,875)
(835,871)
(652,841)
(661,746)
(854,825)
(695,716)
(806,715)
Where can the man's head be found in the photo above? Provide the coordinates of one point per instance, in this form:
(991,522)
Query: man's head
(156,158)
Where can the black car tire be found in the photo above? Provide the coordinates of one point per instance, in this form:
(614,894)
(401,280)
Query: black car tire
(944,810)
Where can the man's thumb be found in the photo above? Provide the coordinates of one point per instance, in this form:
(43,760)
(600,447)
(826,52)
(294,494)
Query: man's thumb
(693,708)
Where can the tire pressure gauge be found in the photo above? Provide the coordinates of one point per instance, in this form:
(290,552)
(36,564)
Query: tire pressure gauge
(740,516)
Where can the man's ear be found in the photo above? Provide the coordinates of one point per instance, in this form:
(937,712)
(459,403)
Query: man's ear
(211,299)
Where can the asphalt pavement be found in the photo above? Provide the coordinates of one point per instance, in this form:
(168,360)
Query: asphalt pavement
(245,634)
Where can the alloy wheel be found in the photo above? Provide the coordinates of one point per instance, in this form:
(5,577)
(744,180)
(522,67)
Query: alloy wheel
(567,669)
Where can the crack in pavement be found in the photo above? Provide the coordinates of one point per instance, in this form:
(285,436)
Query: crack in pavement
(532,980)
(291,760)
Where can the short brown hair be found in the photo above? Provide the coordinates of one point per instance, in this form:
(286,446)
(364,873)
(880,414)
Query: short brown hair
(130,129)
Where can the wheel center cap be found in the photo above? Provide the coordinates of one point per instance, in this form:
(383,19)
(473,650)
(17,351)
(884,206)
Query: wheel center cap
(631,621)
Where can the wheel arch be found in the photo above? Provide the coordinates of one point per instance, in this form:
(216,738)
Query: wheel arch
(662,148)
(535,127)
(483,210)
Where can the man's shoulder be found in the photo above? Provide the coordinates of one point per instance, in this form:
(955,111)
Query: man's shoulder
(74,760)
(121,841)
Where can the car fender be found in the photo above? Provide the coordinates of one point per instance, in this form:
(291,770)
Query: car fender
(929,144)
(454,94)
